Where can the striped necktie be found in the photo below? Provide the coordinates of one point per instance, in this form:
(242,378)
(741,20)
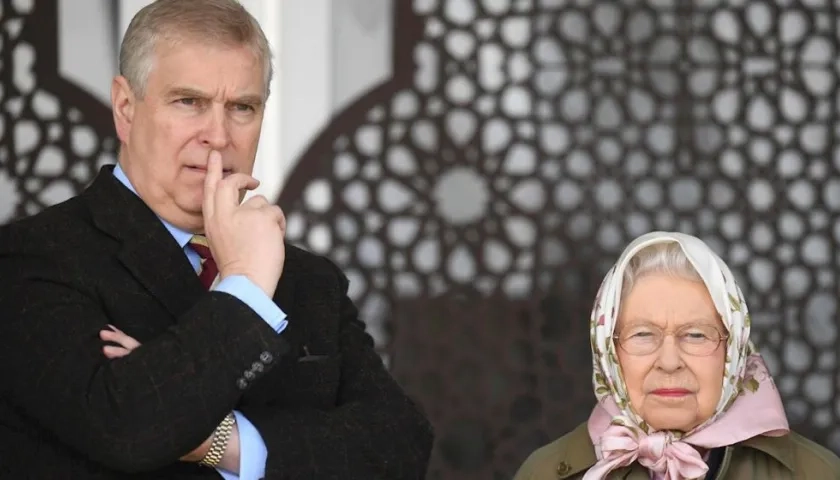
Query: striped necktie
(208,270)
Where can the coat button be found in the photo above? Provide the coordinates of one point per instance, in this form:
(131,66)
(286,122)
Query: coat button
(266,357)
(563,469)
(242,384)
(257,367)
(250,375)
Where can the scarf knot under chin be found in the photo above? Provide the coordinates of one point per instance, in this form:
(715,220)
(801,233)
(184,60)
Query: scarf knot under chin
(658,452)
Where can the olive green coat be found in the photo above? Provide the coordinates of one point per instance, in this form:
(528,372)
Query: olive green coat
(766,458)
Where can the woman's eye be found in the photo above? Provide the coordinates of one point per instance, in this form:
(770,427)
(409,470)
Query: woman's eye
(696,337)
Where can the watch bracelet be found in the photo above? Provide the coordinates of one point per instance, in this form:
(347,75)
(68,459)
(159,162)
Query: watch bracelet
(221,437)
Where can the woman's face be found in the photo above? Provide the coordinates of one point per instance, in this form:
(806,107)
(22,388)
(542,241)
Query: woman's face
(669,389)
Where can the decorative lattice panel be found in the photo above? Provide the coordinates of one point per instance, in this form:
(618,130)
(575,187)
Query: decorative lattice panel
(477,199)
(54,136)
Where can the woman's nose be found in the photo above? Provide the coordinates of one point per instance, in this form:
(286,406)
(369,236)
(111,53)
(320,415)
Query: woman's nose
(669,355)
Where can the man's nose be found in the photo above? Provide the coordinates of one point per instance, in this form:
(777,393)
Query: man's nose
(215,134)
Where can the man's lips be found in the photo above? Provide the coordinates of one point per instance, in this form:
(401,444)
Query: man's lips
(671,392)
(203,169)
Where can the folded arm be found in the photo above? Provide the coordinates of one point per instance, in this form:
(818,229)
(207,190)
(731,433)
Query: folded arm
(245,455)
(136,413)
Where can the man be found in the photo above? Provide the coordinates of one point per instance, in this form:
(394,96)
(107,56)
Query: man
(268,374)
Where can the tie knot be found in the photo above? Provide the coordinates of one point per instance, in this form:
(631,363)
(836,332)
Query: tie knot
(200,246)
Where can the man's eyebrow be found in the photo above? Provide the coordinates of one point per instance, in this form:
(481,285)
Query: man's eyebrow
(186,92)
(248,99)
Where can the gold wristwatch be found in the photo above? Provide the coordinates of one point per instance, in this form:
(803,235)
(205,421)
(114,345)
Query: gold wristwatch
(221,437)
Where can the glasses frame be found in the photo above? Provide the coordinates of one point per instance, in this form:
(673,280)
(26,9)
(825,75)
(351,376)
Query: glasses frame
(721,337)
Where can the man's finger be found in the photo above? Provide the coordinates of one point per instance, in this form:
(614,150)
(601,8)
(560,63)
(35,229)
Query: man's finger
(278,215)
(257,201)
(227,190)
(120,338)
(114,352)
(211,182)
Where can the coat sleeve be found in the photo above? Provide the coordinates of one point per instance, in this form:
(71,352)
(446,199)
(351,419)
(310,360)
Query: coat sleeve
(131,414)
(375,432)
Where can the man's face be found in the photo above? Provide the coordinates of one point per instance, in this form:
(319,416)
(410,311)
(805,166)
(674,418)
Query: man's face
(199,97)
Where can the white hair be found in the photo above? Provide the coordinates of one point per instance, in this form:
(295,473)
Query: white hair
(665,258)
(220,22)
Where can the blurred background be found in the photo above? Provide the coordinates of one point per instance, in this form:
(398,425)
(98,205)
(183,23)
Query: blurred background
(475,166)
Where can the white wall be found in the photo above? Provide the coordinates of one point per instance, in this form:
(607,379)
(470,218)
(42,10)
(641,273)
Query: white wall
(361,47)
(86,54)
(308,74)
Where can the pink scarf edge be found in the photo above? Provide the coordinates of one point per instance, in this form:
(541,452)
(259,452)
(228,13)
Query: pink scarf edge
(752,414)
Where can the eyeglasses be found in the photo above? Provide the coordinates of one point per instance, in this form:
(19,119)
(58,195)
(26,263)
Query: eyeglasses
(696,340)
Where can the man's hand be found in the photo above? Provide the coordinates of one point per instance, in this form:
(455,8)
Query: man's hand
(126,344)
(245,239)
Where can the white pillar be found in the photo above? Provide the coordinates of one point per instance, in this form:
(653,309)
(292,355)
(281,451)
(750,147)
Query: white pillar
(307,65)
(271,166)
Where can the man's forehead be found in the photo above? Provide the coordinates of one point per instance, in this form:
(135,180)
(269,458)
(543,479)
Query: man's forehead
(180,49)
(207,71)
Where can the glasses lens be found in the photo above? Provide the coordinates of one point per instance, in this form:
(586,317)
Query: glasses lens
(698,340)
(641,340)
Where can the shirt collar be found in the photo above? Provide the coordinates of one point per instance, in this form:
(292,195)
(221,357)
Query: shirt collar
(180,236)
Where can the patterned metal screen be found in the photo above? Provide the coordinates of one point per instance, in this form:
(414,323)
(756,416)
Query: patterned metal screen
(476,199)
(54,136)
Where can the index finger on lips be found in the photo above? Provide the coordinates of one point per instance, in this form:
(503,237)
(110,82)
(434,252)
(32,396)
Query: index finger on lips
(211,181)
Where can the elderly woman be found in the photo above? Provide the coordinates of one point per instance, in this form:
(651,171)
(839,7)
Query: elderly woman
(682,392)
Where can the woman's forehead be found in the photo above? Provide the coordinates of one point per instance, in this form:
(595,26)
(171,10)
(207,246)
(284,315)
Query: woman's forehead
(662,299)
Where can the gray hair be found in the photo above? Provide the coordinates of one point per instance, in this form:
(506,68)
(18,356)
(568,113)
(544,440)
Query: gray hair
(223,22)
(668,258)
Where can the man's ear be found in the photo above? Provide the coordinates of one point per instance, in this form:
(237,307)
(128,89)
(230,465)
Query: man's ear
(123,102)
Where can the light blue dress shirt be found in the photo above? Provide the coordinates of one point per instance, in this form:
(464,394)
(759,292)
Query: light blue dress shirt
(252,451)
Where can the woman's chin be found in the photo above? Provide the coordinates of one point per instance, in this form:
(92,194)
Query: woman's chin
(674,422)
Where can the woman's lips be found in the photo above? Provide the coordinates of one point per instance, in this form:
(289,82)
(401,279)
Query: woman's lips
(671,392)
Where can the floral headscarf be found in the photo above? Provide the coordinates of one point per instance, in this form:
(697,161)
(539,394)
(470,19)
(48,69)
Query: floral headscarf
(621,436)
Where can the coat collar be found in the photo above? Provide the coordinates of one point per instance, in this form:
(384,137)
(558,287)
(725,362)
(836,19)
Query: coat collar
(152,255)
(148,250)
(576,454)
(780,448)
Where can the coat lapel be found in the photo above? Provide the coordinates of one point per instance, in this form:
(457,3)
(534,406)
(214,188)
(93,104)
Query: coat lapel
(148,250)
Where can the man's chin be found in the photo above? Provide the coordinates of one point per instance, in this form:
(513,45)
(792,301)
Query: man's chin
(192,206)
